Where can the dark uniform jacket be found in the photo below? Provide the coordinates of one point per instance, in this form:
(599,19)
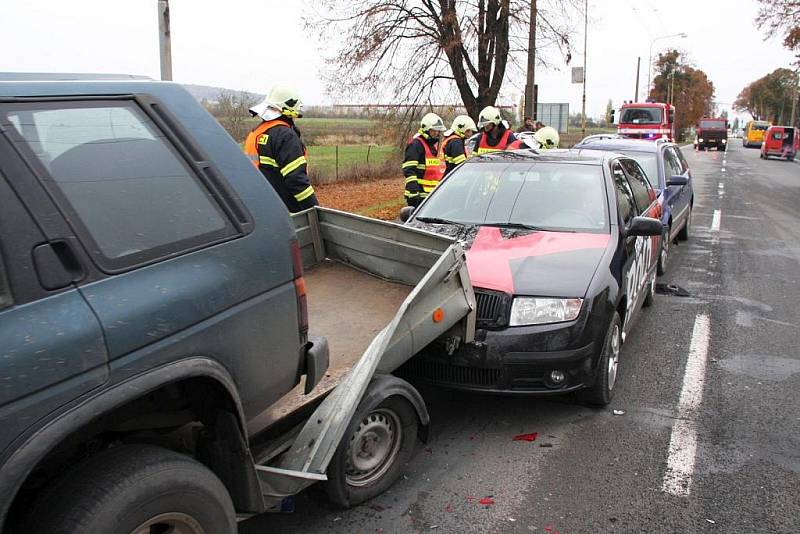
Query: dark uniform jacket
(414,167)
(282,160)
(454,153)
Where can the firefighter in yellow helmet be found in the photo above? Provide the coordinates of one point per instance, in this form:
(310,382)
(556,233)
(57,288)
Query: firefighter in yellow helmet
(547,137)
(421,164)
(452,149)
(495,135)
(276,149)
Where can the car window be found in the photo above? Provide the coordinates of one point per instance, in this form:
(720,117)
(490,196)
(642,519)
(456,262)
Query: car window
(638,182)
(684,163)
(119,179)
(648,162)
(626,206)
(551,196)
(672,163)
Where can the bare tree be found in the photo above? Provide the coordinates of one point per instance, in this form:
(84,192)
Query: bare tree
(418,50)
(232,112)
(782,16)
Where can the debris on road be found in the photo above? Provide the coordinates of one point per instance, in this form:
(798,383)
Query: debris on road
(711,521)
(672,289)
(486,500)
(619,412)
(526,437)
(545,444)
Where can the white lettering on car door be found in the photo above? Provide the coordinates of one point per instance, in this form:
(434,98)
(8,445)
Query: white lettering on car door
(636,277)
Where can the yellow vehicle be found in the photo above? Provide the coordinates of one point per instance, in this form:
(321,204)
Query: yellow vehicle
(754,133)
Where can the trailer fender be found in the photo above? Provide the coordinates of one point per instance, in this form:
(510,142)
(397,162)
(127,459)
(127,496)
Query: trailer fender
(384,386)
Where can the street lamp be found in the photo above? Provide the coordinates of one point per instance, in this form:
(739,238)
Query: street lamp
(682,35)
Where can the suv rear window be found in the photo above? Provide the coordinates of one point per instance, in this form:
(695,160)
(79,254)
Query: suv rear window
(119,179)
(710,124)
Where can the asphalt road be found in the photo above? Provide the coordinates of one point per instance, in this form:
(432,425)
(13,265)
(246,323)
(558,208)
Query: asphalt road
(710,436)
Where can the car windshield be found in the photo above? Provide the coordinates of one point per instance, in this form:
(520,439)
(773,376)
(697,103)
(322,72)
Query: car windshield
(760,126)
(536,195)
(641,116)
(712,124)
(648,162)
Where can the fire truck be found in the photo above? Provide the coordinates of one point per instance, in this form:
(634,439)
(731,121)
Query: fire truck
(647,120)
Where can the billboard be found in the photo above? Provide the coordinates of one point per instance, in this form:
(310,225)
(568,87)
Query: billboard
(577,74)
(555,115)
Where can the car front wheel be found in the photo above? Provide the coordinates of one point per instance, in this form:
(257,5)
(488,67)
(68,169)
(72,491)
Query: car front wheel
(602,391)
(663,254)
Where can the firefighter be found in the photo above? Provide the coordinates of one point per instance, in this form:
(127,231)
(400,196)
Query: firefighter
(547,137)
(495,135)
(275,148)
(421,165)
(452,149)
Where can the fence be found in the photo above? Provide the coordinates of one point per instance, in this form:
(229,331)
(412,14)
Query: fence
(333,163)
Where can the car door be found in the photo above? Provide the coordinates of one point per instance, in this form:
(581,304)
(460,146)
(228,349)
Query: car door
(51,343)
(680,195)
(176,277)
(626,207)
(646,247)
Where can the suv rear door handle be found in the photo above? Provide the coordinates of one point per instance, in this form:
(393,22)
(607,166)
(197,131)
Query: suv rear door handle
(57,265)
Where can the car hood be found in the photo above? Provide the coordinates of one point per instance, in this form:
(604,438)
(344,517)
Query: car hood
(525,262)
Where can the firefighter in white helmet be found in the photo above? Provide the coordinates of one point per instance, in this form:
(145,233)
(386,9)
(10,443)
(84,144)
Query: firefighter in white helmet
(275,148)
(421,164)
(495,135)
(452,149)
(547,137)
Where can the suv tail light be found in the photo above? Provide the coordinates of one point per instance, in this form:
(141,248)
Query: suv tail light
(300,290)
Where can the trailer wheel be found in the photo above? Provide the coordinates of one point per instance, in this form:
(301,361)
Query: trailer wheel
(135,489)
(377,445)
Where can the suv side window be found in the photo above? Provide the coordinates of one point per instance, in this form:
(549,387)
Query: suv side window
(639,184)
(626,206)
(119,180)
(672,163)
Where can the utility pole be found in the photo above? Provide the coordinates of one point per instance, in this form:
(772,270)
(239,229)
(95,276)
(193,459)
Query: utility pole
(638,64)
(794,98)
(585,40)
(530,85)
(164,46)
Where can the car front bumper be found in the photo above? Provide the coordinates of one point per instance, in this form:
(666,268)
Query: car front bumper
(513,361)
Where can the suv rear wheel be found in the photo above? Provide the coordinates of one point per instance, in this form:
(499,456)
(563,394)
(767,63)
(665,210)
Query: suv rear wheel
(135,489)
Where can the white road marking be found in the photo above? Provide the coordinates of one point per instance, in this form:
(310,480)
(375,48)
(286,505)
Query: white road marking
(716,220)
(683,441)
(721,185)
(723,169)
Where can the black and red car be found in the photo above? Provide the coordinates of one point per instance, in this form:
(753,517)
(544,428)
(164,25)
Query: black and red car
(562,250)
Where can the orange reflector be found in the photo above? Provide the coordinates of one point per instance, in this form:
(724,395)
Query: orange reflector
(438,315)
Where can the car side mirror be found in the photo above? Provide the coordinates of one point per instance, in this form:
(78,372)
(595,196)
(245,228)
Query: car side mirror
(406,212)
(613,117)
(645,226)
(671,116)
(677,180)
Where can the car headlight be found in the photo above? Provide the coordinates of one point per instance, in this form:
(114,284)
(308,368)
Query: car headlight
(700,140)
(724,140)
(538,310)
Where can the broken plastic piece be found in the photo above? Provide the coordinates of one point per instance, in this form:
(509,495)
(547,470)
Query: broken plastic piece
(619,412)
(486,500)
(525,437)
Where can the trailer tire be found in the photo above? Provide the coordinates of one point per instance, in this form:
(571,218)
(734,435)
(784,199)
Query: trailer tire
(130,488)
(385,431)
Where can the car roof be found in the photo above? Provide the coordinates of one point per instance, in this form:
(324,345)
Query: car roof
(64,76)
(554,155)
(616,145)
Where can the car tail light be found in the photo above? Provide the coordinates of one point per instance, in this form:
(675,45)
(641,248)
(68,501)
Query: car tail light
(300,289)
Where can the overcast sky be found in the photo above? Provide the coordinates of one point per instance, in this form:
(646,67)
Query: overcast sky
(235,44)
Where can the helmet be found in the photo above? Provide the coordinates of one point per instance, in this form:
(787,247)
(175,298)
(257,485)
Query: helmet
(462,123)
(431,121)
(281,100)
(489,114)
(547,137)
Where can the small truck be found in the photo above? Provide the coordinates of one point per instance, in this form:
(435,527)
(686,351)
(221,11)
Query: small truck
(176,351)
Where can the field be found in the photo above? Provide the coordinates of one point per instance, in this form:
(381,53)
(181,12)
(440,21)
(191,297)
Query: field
(352,162)
(380,198)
